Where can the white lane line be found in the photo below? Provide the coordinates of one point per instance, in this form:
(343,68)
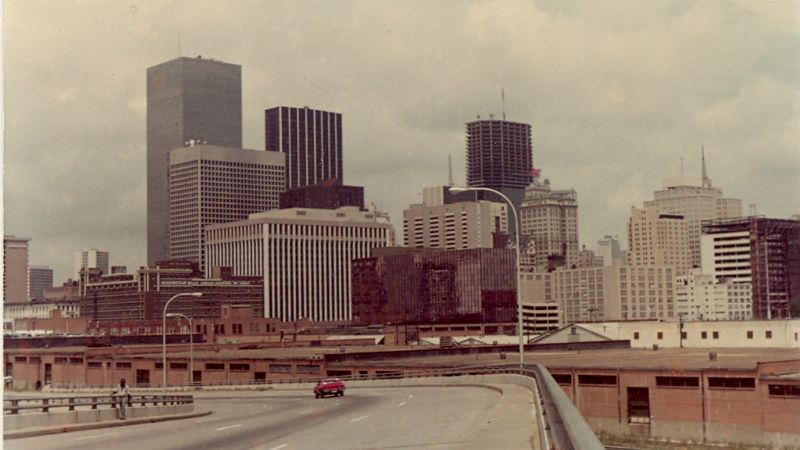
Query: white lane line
(359,419)
(229,427)
(279,447)
(401,404)
(95,436)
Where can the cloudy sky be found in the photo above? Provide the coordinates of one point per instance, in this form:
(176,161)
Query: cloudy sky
(617,93)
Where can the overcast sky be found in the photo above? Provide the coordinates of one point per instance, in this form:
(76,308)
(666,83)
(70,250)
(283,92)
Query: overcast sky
(617,93)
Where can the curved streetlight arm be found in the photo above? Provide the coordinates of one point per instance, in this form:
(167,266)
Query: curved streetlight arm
(164,333)
(519,284)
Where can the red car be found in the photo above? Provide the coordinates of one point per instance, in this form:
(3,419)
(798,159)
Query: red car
(329,386)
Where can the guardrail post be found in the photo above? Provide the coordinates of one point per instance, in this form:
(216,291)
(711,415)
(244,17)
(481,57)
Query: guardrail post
(45,402)
(94,402)
(14,405)
(71,403)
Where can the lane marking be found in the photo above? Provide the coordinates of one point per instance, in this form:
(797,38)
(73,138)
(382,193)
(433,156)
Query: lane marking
(401,404)
(229,427)
(95,436)
(279,447)
(359,419)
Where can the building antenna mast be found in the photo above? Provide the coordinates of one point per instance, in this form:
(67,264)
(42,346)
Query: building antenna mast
(449,169)
(503,99)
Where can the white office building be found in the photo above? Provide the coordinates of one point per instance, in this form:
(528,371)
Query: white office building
(699,296)
(303,254)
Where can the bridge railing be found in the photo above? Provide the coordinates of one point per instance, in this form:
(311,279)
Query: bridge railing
(45,404)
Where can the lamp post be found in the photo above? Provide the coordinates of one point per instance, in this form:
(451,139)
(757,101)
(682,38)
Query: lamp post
(191,344)
(164,333)
(519,284)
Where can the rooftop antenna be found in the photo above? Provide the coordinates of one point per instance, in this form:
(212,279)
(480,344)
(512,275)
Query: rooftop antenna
(503,99)
(706,181)
(449,169)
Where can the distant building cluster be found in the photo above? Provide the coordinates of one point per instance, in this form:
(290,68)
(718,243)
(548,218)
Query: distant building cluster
(277,231)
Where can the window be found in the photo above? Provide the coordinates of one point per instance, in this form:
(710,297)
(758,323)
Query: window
(677,381)
(94,365)
(62,360)
(308,369)
(784,390)
(768,334)
(563,378)
(731,383)
(703,335)
(240,367)
(178,366)
(715,334)
(123,365)
(636,335)
(280,368)
(660,335)
(215,366)
(749,334)
(601,380)
(76,360)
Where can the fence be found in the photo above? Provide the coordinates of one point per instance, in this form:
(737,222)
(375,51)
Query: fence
(45,404)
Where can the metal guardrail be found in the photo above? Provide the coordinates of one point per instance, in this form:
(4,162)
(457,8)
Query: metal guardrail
(45,404)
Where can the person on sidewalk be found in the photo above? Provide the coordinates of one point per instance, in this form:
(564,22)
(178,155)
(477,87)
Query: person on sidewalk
(123,396)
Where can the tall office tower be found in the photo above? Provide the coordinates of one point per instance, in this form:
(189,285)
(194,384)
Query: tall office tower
(760,251)
(15,269)
(658,239)
(608,248)
(461,225)
(500,156)
(549,229)
(311,140)
(696,200)
(187,99)
(303,254)
(90,259)
(211,184)
(40,278)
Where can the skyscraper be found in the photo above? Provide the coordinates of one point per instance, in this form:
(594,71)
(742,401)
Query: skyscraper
(15,269)
(187,99)
(656,238)
(311,140)
(500,157)
(210,184)
(40,278)
(90,259)
(696,200)
(549,227)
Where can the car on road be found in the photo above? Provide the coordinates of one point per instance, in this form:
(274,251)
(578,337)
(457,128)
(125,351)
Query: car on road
(329,386)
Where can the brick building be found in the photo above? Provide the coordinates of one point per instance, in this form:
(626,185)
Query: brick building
(141,296)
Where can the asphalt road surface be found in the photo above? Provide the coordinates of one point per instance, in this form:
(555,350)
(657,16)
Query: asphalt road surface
(387,418)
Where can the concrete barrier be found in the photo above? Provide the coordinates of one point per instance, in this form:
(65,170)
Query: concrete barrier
(64,418)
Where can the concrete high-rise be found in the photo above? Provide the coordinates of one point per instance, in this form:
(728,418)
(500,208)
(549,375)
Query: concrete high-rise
(187,99)
(549,229)
(658,239)
(458,225)
(304,255)
(210,184)
(500,157)
(90,259)
(760,251)
(311,140)
(696,200)
(15,269)
(39,279)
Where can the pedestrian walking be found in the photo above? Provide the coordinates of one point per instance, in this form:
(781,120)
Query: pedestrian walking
(123,395)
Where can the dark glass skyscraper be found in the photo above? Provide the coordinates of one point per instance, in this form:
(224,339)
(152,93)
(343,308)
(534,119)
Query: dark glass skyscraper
(187,99)
(500,157)
(311,140)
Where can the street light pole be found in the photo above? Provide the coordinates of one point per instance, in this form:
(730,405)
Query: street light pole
(191,344)
(519,283)
(164,333)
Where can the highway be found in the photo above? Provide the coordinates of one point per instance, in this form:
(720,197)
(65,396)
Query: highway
(471,417)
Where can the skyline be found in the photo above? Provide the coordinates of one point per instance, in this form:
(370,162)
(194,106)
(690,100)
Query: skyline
(616,95)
